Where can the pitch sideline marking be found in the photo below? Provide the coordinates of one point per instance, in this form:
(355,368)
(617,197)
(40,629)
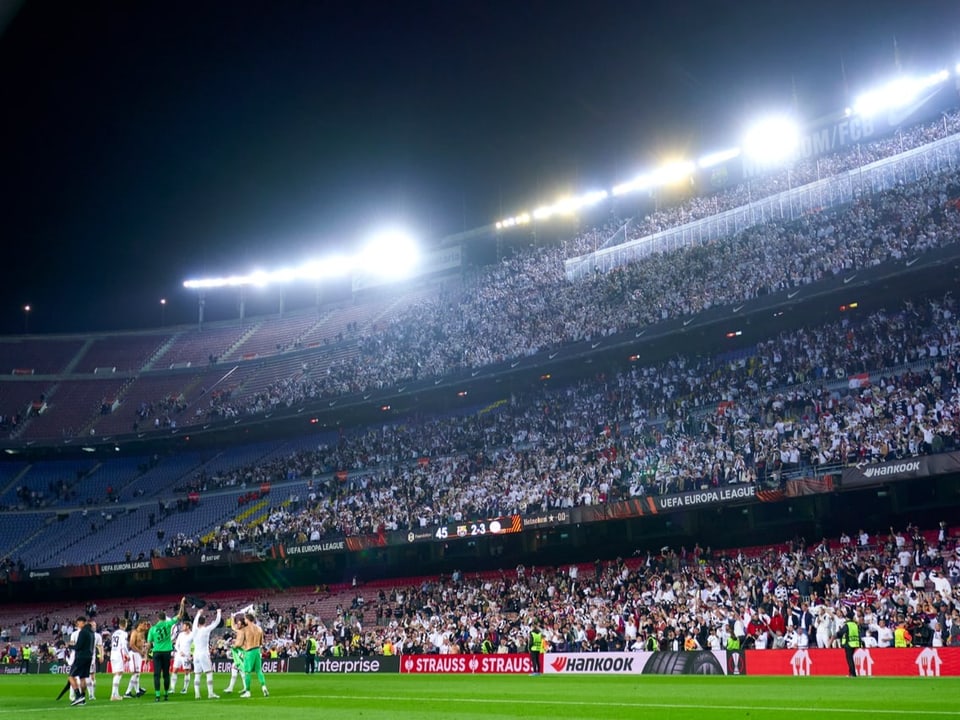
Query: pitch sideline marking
(639,705)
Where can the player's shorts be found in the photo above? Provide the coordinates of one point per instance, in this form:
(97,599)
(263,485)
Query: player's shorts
(81,667)
(202,664)
(135,662)
(93,665)
(181,662)
(252,661)
(117,665)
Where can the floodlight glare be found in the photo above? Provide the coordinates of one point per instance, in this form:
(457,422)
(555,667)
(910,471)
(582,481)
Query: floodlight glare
(896,94)
(332,267)
(593,197)
(772,139)
(641,182)
(390,253)
(718,158)
(674,172)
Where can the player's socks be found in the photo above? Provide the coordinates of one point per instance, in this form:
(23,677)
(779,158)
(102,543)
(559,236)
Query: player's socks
(116,686)
(210,692)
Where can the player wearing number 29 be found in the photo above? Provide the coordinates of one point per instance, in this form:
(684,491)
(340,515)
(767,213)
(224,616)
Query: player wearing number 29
(119,656)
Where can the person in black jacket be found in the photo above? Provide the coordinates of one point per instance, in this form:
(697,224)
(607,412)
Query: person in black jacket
(83,650)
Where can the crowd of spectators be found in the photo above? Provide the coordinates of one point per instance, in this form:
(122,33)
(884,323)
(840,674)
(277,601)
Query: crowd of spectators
(526,306)
(859,390)
(793,595)
(792,175)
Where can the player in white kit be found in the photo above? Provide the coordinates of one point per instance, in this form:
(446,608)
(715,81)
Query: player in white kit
(71,656)
(201,653)
(97,658)
(119,656)
(181,657)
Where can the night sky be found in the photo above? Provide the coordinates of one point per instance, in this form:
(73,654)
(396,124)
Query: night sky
(143,143)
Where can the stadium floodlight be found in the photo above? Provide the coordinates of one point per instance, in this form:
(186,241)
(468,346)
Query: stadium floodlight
(674,172)
(717,158)
(332,267)
(641,182)
(593,197)
(772,139)
(389,253)
(543,212)
(897,93)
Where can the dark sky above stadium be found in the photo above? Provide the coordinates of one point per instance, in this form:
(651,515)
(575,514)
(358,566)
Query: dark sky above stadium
(143,143)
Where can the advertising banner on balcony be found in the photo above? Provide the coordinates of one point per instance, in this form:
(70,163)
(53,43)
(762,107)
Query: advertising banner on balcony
(905,469)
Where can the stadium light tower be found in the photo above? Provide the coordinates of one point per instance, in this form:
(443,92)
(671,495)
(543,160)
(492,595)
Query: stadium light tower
(163,311)
(26,319)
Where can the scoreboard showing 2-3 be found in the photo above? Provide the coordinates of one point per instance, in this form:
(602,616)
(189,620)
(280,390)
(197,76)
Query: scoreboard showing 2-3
(503,525)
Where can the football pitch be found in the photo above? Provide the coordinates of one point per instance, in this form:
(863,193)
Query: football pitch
(474,697)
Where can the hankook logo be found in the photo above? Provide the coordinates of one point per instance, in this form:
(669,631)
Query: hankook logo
(884,470)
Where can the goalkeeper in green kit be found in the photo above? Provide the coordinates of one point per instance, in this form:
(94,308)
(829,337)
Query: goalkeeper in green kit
(236,655)
(248,643)
(160,646)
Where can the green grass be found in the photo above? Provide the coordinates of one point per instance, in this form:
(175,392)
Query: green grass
(399,697)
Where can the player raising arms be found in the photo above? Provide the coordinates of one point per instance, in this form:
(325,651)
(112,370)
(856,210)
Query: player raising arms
(119,656)
(201,652)
(160,643)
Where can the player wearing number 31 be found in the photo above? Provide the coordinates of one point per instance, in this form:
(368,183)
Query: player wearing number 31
(160,644)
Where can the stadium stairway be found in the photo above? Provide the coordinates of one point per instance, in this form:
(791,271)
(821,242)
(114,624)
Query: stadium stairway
(28,421)
(160,352)
(228,354)
(242,518)
(40,530)
(85,430)
(78,356)
(16,479)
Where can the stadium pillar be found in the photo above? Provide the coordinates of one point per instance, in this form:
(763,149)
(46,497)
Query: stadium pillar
(243,304)
(201,303)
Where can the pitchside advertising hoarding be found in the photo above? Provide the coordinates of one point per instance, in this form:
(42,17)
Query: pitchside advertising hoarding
(501,664)
(877,662)
(701,662)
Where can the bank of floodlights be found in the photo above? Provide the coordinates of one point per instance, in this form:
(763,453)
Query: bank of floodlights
(896,94)
(565,206)
(390,254)
(770,141)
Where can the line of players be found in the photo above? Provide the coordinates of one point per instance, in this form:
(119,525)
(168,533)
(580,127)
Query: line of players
(188,643)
